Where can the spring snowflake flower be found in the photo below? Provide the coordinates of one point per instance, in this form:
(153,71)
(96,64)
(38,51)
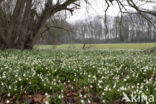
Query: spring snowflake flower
(24,75)
(85,96)
(123,88)
(80,95)
(8,94)
(82,101)
(91,86)
(59,96)
(106,88)
(9,87)
(114,85)
(46,94)
(103,101)
(46,102)
(7,102)
(20,79)
(89,101)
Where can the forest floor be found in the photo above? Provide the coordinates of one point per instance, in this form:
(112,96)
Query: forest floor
(76,76)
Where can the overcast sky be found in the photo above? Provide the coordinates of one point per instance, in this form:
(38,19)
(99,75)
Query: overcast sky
(98,7)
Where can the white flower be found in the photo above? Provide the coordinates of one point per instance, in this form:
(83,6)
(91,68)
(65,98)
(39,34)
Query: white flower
(59,97)
(20,79)
(46,94)
(85,96)
(89,101)
(80,95)
(114,85)
(82,101)
(9,87)
(7,101)
(46,102)
(24,75)
(8,94)
(103,101)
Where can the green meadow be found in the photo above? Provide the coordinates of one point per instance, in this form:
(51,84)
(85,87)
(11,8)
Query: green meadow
(101,46)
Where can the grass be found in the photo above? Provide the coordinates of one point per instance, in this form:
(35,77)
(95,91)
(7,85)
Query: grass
(76,76)
(101,46)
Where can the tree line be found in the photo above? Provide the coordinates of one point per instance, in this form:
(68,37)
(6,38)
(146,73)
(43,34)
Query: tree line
(126,28)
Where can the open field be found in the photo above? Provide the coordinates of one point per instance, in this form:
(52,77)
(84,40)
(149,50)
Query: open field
(101,46)
(76,76)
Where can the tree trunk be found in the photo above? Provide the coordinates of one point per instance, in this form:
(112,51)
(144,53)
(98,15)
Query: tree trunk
(20,25)
(84,46)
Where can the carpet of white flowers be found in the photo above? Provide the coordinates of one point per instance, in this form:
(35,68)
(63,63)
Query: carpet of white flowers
(77,76)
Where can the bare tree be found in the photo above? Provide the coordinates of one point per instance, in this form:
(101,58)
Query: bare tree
(22,20)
